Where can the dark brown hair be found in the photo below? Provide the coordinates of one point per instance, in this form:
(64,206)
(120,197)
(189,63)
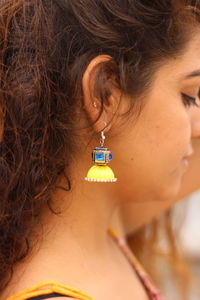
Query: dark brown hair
(45,46)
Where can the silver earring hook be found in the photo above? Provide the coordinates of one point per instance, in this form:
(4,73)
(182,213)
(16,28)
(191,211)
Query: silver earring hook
(102,139)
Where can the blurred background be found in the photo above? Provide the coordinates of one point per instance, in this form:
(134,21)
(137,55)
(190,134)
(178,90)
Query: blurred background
(190,242)
(190,236)
(190,232)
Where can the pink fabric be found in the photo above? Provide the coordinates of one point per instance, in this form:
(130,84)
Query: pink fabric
(153,292)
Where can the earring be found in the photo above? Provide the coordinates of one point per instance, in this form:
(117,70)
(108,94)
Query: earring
(100,172)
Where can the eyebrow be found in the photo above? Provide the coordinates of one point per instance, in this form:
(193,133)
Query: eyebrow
(193,74)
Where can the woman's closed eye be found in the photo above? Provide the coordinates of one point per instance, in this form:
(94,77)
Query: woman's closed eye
(188,100)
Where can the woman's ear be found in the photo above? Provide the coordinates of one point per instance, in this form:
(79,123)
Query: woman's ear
(92,103)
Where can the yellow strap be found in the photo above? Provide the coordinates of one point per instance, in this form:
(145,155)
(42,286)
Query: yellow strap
(53,287)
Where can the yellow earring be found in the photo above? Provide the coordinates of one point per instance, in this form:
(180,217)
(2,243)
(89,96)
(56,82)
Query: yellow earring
(100,172)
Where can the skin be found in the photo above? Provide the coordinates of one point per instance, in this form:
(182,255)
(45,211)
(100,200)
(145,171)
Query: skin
(149,150)
(130,217)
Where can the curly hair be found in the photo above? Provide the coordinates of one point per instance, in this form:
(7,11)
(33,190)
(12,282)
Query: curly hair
(45,46)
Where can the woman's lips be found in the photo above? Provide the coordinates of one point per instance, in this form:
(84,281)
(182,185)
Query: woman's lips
(185,162)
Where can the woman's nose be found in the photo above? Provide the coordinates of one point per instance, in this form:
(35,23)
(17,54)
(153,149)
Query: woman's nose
(195,122)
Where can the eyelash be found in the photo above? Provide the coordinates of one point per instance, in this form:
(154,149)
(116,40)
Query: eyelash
(188,101)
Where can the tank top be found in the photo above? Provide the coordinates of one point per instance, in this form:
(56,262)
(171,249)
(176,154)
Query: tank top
(52,289)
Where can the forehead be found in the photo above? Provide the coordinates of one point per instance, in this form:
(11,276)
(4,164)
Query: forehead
(190,60)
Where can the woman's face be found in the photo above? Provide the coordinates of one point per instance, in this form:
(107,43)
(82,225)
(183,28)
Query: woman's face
(149,150)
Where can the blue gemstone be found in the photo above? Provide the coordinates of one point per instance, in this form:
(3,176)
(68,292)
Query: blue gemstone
(110,156)
(99,156)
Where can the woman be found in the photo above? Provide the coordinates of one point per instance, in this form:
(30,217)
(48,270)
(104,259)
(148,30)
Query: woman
(77,75)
